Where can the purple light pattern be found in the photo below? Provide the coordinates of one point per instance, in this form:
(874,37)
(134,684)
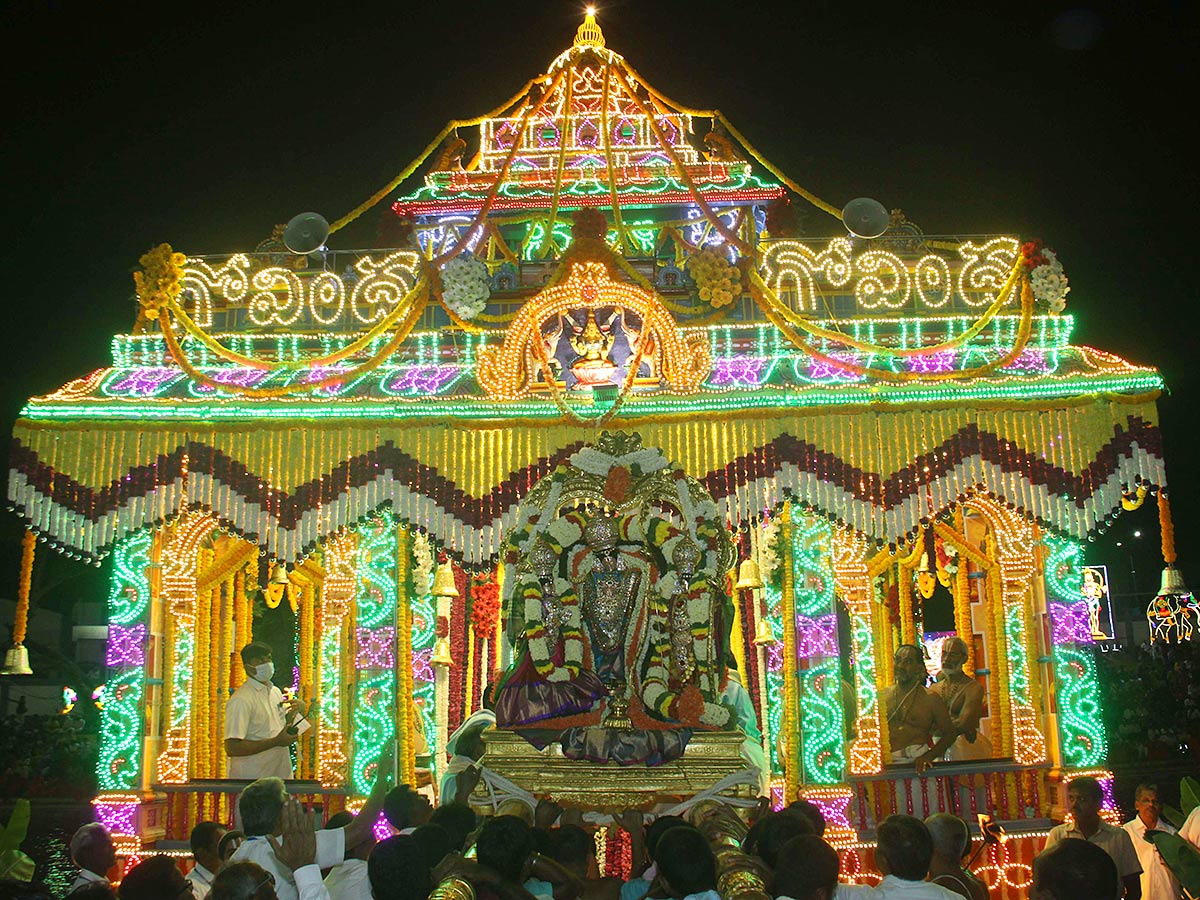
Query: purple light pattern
(117,818)
(376,648)
(816,637)
(1070,623)
(421,666)
(126,646)
(746,370)
(933,363)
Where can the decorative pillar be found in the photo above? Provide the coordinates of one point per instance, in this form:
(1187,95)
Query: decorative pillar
(444,592)
(375,658)
(854,586)
(822,722)
(791,719)
(120,772)
(337,595)
(1011,587)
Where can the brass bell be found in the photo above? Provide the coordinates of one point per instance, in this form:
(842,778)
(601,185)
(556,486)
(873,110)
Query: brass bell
(16,661)
(441,653)
(749,578)
(443,581)
(763,635)
(1172,582)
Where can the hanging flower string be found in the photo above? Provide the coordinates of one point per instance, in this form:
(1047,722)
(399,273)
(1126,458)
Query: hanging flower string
(21,621)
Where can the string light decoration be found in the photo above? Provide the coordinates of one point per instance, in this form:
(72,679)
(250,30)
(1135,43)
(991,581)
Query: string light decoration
(823,753)
(375,601)
(119,764)
(337,593)
(854,588)
(180,557)
(1012,577)
(1081,726)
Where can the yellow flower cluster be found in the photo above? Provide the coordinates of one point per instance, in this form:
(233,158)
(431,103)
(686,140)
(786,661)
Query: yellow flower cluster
(719,282)
(159,282)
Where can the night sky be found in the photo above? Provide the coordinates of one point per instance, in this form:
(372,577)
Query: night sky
(204,125)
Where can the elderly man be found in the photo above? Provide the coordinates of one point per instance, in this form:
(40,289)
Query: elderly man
(266,812)
(963,696)
(1084,798)
(914,714)
(258,721)
(951,841)
(1157,881)
(93,851)
(205,840)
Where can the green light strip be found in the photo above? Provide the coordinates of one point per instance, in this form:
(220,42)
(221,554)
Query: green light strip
(843,395)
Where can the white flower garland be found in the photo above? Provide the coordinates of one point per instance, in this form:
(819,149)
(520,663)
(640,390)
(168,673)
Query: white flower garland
(422,571)
(1049,283)
(465,286)
(596,462)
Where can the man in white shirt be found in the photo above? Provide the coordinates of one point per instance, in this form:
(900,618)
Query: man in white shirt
(266,809)
(205,839)
(903,854)
(1084,798)
(93,851)
(1157,881)
(1190,831)
(349,880)
(257,726)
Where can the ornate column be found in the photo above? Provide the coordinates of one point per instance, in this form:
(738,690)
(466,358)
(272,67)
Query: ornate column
(337,596)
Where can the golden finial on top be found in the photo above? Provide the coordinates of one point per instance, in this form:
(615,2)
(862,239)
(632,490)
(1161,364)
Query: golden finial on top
(589,33)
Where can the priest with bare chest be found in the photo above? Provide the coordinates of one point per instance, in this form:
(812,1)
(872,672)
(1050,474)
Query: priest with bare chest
(915,714)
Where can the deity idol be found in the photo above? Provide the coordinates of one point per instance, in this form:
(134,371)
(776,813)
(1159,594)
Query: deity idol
(609,593)
(593,345)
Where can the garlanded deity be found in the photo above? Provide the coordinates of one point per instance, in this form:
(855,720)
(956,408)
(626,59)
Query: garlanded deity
(616,610)
(608,594)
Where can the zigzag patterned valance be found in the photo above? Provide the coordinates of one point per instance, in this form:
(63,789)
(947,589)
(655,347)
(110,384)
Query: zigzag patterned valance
(288,486)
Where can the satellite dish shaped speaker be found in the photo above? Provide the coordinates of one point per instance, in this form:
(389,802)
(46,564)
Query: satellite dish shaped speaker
(305,233)
(866,218)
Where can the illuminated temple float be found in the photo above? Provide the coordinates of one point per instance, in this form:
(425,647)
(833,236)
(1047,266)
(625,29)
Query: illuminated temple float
(595,421)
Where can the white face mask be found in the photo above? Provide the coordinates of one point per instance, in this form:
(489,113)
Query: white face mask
(263,672)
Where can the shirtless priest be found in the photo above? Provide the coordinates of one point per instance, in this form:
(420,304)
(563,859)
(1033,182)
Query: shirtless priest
(914,714)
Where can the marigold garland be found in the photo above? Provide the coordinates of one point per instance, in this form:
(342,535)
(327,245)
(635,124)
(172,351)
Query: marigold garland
(1167,527)
(161,280)
(24,580)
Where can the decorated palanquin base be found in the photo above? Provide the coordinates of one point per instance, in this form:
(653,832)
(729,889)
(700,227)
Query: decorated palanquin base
(896,437)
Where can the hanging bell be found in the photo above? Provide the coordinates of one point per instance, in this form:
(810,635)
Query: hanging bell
(749,577)
(1172,583)
(441,653)
(16,661)
(443,581)
(763,635)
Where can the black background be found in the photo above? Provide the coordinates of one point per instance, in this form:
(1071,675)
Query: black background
(204,125)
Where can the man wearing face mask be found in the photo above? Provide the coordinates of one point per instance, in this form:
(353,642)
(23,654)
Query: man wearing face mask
(257,721)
